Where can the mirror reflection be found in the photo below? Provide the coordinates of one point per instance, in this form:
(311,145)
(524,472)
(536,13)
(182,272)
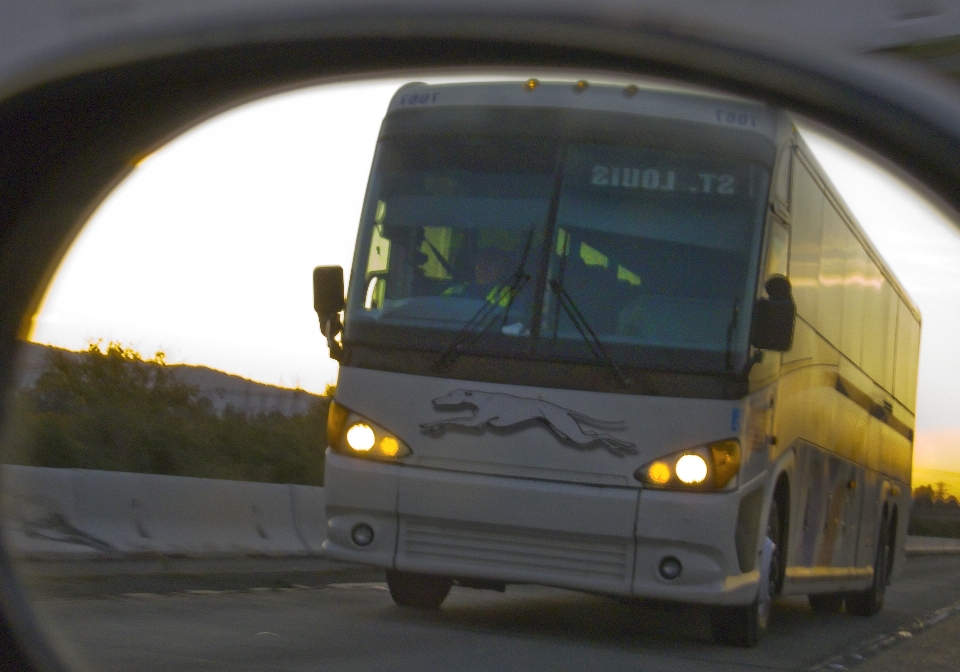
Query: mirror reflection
(624,369)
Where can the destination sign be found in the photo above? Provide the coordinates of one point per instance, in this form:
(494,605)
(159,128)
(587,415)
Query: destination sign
(664,179)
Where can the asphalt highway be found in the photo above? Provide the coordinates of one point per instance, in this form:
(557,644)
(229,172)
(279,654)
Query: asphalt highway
(260,614)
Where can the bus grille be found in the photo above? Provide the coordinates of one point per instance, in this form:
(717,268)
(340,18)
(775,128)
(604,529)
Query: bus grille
(508,553)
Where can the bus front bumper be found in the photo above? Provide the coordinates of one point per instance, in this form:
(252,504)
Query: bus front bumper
(698,530)
(601,539)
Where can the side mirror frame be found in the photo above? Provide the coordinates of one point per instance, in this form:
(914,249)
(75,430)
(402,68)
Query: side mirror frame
(329,302)
(774,317)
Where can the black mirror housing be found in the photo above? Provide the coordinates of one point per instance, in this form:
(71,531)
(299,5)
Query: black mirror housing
(774,317)
(328,290)
(328,301)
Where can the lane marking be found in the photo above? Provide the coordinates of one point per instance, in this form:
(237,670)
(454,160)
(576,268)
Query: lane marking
(875,645)
(373,585)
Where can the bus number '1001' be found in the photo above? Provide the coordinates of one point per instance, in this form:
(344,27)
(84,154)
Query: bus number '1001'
(419,98)
(736,118)
(652,179)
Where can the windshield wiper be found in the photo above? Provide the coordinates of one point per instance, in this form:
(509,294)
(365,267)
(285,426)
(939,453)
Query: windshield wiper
(486,316)
(586,331)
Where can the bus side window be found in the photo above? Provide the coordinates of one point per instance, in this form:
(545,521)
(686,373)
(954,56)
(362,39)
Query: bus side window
(437,245)
(378,262)
(777,249)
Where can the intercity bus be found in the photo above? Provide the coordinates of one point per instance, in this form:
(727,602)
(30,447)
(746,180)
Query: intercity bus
(623,340)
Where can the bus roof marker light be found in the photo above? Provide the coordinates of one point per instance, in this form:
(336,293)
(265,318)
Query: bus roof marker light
(630,91)
(580,86)
(531,84)
(691,469)
(360,437)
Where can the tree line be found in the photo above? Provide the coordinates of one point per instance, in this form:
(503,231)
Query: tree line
(935,512)
(115,410)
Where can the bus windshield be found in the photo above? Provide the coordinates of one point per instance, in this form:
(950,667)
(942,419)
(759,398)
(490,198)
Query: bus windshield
(551,248)
(653,248)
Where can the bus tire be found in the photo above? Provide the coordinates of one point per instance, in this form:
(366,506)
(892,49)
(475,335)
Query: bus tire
(870,601)
(421,591)
(825,603)
(745,625)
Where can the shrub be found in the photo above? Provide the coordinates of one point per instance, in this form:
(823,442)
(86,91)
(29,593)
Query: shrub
(114,410)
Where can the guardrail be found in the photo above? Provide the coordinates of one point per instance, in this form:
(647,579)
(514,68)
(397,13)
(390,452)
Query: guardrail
(82,513)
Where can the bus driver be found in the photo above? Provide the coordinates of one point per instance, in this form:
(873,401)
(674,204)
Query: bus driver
(494,281)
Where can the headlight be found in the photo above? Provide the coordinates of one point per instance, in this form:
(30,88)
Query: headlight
(691,469)
(360,437)
(708,467)
(352,434)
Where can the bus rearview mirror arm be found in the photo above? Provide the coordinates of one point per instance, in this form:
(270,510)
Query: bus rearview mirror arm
(328,301)
(774,316)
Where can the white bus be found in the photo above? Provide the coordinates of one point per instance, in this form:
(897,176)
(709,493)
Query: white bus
(620,340)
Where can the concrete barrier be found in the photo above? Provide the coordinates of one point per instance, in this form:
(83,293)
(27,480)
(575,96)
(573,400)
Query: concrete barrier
(39,514)
(105,507)
(309,520)
(268,513)
(72,513)
(187,516)
(190,516)
(932,546)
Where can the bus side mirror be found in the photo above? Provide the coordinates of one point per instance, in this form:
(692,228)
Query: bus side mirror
(328,290)
(328,302)
(774,317)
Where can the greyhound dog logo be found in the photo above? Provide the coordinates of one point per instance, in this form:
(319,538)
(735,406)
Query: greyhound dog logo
(505,411)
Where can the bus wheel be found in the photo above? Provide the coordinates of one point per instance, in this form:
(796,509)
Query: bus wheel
(745,625)
(826,603)
(423,591)
(870,601)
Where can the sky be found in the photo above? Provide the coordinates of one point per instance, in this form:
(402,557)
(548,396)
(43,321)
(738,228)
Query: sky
(205,251)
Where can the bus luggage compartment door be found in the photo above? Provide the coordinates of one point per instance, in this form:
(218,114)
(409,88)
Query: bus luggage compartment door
(516,530)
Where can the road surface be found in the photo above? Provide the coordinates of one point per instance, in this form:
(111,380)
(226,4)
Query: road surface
(319,615)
